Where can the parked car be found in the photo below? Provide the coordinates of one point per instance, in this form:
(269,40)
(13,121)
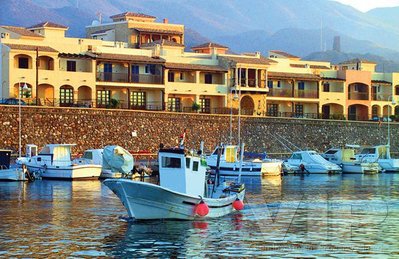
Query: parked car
(12,101)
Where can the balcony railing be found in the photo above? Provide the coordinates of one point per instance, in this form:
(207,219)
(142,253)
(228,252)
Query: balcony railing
(124,78)
(306,94)
(358,96)
(273,92)
(381,97)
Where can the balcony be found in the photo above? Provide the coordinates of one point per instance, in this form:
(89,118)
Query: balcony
(124,78)
(361,96)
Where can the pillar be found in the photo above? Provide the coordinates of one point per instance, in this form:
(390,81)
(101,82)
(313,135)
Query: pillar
(256,78)
(246,77)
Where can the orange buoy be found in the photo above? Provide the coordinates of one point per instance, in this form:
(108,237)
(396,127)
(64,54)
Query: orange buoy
(238,204)
(201,209)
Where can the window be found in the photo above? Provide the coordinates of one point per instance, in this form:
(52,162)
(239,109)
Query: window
(270,84)
(205,104)
(171,76)
(208,78)
(103,98)
(296,156)
(171,162)
(174,104)
(23,62)
(301,85)
(71,65)
(278,84)
(150,69)
(181,76)
(272,109)
(397,90)
(326,87)
(356,88)
(66,96)
(138,100)
(187,162)
(195,166)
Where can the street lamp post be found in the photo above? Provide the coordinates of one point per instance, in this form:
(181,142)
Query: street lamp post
(389,113)
(24,88)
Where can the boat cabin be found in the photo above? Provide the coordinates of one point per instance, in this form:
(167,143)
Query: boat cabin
(5,157)
(181,172)
(228,153)
(376,152)
(340,155)
(54,154)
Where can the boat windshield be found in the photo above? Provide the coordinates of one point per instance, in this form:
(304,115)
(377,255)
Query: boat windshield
(331,152)
(367,151)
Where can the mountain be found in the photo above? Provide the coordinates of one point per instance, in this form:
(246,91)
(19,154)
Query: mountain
(244,25)
(387,15)
(335,57)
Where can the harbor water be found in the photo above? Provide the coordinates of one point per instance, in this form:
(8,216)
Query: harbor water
(310,215)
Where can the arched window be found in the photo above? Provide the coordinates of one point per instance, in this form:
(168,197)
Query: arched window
(66,95)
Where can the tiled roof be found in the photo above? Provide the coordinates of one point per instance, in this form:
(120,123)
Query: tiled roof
(124,57)
(22,31)
(296,76)
(162,43)
(249,60)
(31,47)
(74,55)
(100,31)
(131,14)
(158,31)
(285,54)
(197,67)
(333,79)
(48,25)
(311,66)
(357,60)
(381,82)
(210,45)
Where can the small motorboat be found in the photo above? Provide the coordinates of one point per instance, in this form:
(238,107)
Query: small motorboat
(345,157)
(309,162)
(13,173)
(54,162)
(116,162)
(380,154)
(230,164)
(183,191)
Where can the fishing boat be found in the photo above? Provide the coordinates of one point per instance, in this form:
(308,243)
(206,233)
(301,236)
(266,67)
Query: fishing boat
(230,164)
(54,162)
(309,162)
(346,159)
(183,191)
(379,154)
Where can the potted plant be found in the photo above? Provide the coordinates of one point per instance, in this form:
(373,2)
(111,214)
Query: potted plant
(195,107)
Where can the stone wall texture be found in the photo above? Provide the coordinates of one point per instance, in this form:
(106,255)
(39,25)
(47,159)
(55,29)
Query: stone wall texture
(95,128)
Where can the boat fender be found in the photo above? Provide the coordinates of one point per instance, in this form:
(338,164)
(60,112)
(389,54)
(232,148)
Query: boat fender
(238,204)
(201,209)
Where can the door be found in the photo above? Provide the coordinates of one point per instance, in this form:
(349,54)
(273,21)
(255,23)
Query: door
(135,74)
(326,111)
(352,113)
(108,72)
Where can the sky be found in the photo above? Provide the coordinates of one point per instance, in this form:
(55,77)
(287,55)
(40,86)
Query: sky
(366,5)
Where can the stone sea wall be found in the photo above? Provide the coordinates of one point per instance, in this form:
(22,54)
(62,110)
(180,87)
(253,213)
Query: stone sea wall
(141,130)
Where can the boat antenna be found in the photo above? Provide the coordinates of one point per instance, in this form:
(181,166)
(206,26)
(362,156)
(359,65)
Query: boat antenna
(241,158)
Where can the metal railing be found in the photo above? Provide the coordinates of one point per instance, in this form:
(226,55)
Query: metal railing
(306,94)
(124,78)
(381,97)
(358,96)
(273,92)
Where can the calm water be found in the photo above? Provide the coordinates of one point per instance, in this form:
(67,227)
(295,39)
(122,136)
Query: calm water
(342,216)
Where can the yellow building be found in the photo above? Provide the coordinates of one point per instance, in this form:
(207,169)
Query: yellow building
(135,62)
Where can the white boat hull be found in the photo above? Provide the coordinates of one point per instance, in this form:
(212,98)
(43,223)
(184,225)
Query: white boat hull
(145,201)
(74,172)
(363,168)
(389,165)
(311,169)
(13,174)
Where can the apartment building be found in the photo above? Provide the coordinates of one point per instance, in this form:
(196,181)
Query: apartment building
(135,62)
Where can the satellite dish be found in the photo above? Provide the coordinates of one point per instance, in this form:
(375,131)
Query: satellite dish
(95,23)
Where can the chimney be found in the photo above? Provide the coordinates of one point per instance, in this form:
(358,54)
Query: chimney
(166,20)
(257,54)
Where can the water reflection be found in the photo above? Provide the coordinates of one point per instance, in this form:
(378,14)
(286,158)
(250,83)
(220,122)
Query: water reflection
(313,215)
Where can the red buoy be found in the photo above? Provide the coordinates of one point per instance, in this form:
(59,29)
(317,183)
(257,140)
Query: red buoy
(201,209)
(238,204)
